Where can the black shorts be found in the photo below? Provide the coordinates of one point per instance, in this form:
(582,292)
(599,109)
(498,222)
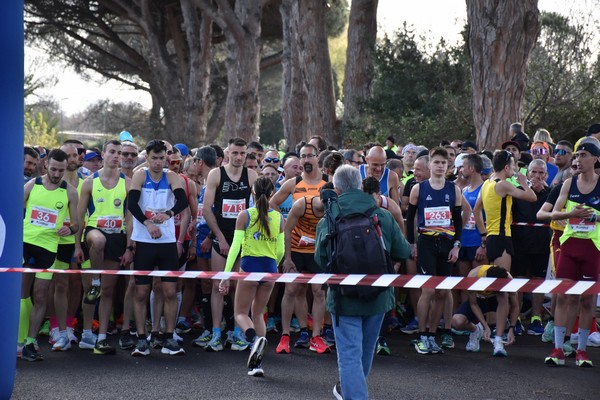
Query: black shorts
(116,244)
(305,262)
(215,243)
(184,254)
(148,256)
(529,265)
(487,304)
(432,255)
(467,253)
(496,245)
(65,252)
(43,259)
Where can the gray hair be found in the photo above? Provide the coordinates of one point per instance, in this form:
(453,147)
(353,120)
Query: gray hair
(347,177)
(537,163)
(208,155)
(130,144)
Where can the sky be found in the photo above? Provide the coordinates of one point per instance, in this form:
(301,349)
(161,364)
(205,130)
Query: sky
(431,18)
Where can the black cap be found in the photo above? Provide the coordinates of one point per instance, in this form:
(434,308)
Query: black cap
(469,144)
(590,148)
(509,143)
(593,129)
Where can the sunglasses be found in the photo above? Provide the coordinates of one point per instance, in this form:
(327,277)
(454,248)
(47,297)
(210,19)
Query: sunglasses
(127,154)
(271,160)
(175,162)
(80,151)
(537,152)
(356,162)
(561,152)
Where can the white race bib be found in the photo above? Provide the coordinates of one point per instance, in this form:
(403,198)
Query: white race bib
(582,225)
(306,241)
(43,217)
(471,223)
(231,208)
(110,223)
(439,217)
(150,213)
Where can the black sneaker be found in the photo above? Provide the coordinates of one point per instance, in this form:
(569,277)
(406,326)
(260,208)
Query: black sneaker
(126,341)
(31,354)
(256,354)
(103,348)
(141,349)
(155,341)
(92,295)
(337,391)
(172,348)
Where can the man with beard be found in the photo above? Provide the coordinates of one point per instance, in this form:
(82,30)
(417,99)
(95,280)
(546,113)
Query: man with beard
(30,160)
(563,153)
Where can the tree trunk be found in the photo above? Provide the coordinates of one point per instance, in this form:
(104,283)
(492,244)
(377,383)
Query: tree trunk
(316,69)
(362,34)
(502,35)
(294,110)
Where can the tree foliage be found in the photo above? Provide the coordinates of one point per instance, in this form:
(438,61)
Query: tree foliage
(40,130)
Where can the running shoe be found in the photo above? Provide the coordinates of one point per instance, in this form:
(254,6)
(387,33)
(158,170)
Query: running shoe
(126,341)
(177,338)
(172,348)
(238,343)
(215,344)
(256,354)
(88,341)
(284,345)
(582,359)
(433,346)
(271,325)
(574,338)
(474,339)
(411,328)
(54,335)
(103,348)
(535,328)
(62,344)
(92,295)
(183,326)
(329,337)
(45,329)
(303,341)
(318,345)
(155,341)
(447,341)
(568,349)
(422,346)
(519,328)
(203,339)
(256,371)
(71,335)
(499,350)
(460,333)
(382,348)
(141,349)
(594,339)
(548,335)
(30,353)
(337,391)
(556,358)
(294,325)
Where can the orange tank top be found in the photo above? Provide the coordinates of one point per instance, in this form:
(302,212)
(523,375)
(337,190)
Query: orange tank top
(305,232)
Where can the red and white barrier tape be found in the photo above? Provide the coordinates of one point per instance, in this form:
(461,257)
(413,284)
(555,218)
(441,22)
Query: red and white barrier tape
(530,224)
(406,281)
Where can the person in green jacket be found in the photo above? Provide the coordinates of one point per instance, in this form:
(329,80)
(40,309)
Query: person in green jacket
(357,322)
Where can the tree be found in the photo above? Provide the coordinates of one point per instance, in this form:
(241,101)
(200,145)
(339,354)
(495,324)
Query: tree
(502,35)
(40,130)
(362,35)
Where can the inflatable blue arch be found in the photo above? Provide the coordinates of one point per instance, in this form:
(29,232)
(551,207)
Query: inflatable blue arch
(11,200)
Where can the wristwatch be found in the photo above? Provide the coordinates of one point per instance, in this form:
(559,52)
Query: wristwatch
(457,244)
(130,248)
(169,213)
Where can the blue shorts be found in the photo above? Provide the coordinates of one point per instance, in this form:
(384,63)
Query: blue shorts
(203,232)
(467,253)
(487,304)
(258,264)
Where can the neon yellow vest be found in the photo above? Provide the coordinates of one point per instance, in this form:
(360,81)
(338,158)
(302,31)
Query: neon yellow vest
(107,206)
(580,228)
(71,238)
(256,243)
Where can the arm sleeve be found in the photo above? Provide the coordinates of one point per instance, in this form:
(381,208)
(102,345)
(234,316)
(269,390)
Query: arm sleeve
(134,206)
(236,245)
(458,225)
(280,247)
(181,201)
(410,223)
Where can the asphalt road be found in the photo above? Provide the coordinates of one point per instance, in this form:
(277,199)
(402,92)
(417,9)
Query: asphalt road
(78,374)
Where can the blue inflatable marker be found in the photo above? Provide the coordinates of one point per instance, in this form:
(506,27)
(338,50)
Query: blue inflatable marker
(11,200)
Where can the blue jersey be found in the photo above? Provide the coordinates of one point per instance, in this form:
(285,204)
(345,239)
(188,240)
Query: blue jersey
(470,235)
(383,181)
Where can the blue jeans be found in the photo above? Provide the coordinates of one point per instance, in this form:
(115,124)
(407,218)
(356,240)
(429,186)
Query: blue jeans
(355,341)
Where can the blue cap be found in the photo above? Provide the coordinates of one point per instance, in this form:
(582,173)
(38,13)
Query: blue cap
(183,149)
(90,155)
(125,137)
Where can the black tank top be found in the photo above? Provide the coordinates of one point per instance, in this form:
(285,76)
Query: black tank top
(230,199)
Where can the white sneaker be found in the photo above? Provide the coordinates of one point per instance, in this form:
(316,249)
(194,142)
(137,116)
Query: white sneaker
(62,344)
(499,350)
(54,335)
(594,339)
(88,342)
(177,338)
(475,338)
(71,335)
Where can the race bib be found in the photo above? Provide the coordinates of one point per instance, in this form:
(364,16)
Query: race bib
(43,217)
(150,213)
(437,216)
(306,241)
(200,216)
(582,225)
(471,223)
(110,223)
(231,208)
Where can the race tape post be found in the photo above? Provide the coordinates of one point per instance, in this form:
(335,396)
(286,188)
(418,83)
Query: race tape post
(404,281)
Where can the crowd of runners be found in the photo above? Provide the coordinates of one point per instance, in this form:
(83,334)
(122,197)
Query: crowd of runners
(528,209)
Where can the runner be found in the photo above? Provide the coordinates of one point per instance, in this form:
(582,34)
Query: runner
(376,167)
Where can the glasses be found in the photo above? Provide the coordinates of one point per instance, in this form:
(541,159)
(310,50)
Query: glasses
(127,154)
(573,166)
(175,162)
(169,152)
(538,152)
(561,152)
(356,162)
(305,156)
(271,160)
(80,151)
